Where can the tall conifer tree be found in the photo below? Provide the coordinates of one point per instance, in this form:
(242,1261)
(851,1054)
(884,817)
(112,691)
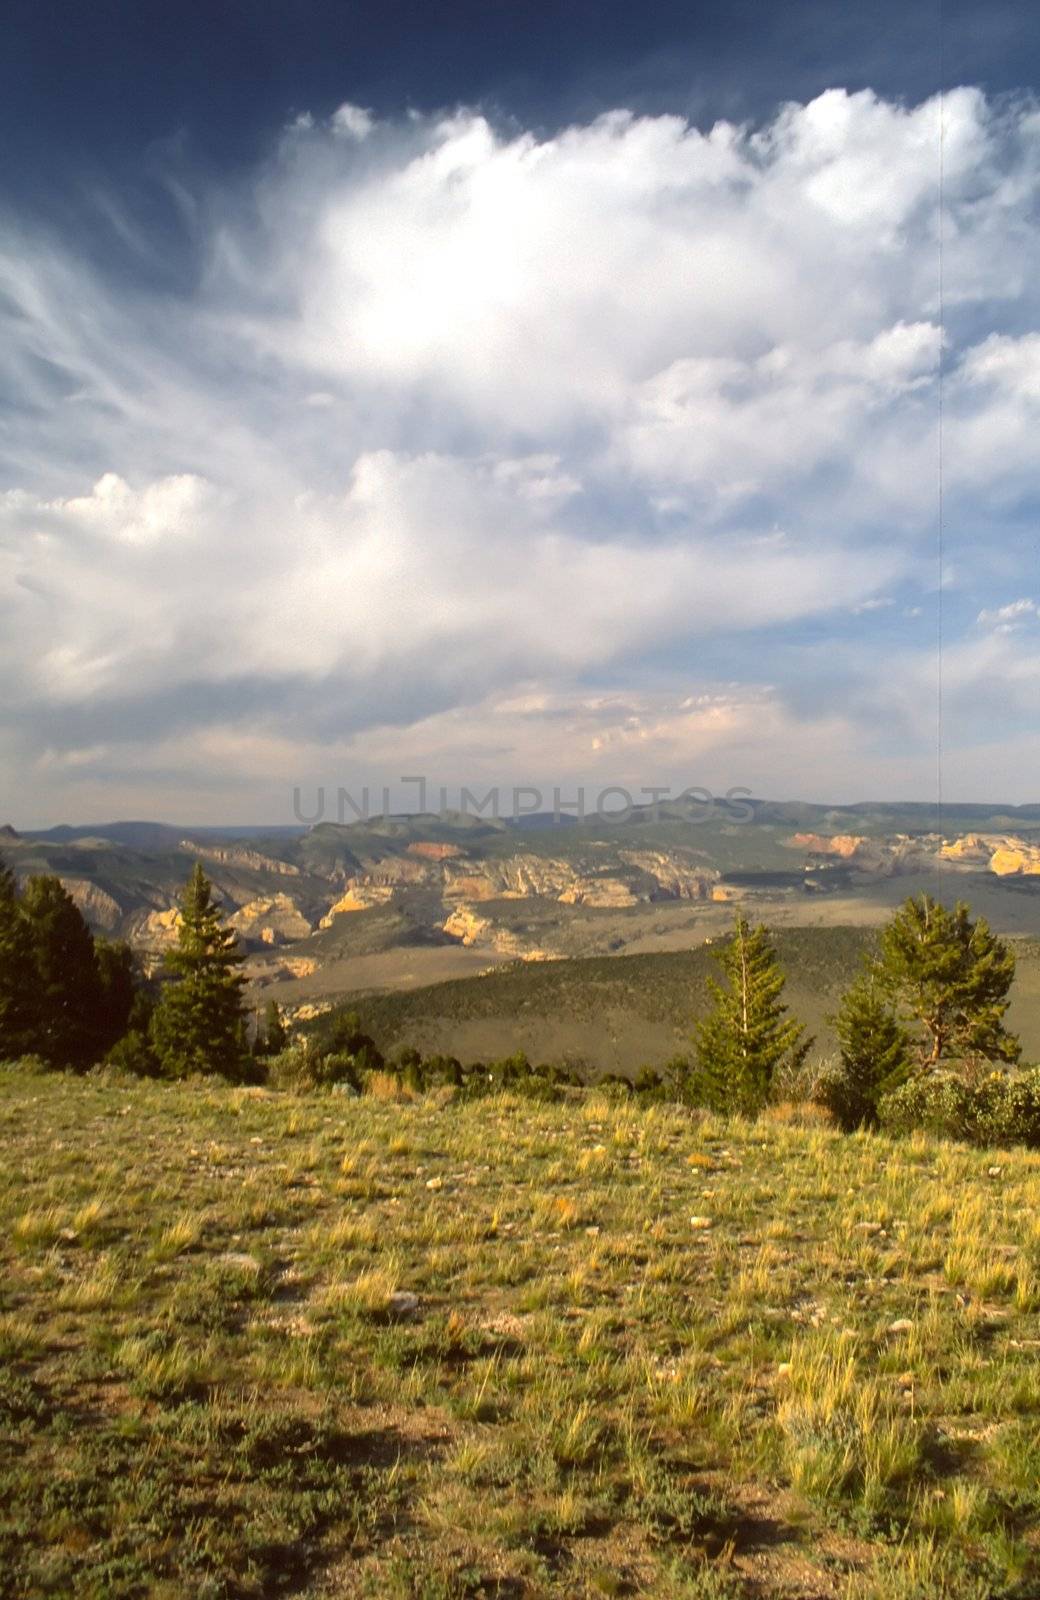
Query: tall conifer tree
(949,978)
(874,1054)
(199,1022)
(748,1034)
(66,984)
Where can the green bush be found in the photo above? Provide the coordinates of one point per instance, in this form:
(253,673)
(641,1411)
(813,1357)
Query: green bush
(687,1083)
(545,1082)
(441,1070)
(341,1067)
(342,1035)
(650,1085)
(30,1066)
(293,1067)
(616,1086)
(1001,1109)
(133,1053)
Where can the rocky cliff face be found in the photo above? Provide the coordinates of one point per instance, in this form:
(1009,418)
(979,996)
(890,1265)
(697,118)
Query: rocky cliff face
(873,858)
(676,876)
(101,910)
(227,855)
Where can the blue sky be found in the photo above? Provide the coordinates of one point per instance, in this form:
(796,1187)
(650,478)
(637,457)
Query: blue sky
(544,396)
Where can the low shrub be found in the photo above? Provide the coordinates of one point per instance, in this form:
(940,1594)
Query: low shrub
(547,1081)
(1001,1109)
(133,1053)
(302,1066)
(31,1066)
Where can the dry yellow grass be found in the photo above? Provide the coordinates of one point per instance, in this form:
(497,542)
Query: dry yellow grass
(396,1347)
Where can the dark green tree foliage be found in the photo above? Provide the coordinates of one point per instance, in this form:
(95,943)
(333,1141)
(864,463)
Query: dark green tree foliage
(199,1023)
(748,1034)
(948,978)
(875,1055)
(118,990)
(67,991)
(344,1036)
(275,1034)
(17,982)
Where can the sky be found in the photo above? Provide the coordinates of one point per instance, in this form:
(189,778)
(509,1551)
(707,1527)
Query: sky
(543,396)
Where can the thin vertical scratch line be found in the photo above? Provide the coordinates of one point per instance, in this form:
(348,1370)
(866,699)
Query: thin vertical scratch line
(940,529)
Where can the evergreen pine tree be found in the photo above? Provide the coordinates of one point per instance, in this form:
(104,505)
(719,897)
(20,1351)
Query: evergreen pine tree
(67,998)
(748,1033)
(875,1055)
(948,978)
(17,978)
(199,1022)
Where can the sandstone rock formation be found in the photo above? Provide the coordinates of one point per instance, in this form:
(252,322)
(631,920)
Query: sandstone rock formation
(272,919)
(1005,855)
(153,932)
(471,929)
(431,850)
(971,849)
(843,845)
(464,924)
(1015,858)
(359,897)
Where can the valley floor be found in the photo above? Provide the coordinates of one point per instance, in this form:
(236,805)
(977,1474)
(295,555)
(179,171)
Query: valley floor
(255,1344)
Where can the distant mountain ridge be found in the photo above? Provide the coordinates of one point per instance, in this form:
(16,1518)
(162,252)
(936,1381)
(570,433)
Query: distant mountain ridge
(308,901)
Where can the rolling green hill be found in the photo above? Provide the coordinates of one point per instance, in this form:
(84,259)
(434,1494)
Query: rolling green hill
(618,1013)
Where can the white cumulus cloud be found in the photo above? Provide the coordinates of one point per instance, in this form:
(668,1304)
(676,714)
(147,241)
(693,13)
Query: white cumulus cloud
(446,409)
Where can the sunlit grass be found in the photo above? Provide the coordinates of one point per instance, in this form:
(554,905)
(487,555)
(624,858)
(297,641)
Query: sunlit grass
(575,1349)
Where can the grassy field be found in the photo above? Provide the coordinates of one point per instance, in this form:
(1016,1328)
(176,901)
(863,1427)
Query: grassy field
(255,1344)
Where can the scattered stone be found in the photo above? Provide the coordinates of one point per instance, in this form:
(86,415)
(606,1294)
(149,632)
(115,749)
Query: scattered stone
(403,1303)
(435,1183)
(994,1172)
(701,1222)
(868,1227)
(903,1325)
(784,1369)
(593,1233)
(240,1260)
